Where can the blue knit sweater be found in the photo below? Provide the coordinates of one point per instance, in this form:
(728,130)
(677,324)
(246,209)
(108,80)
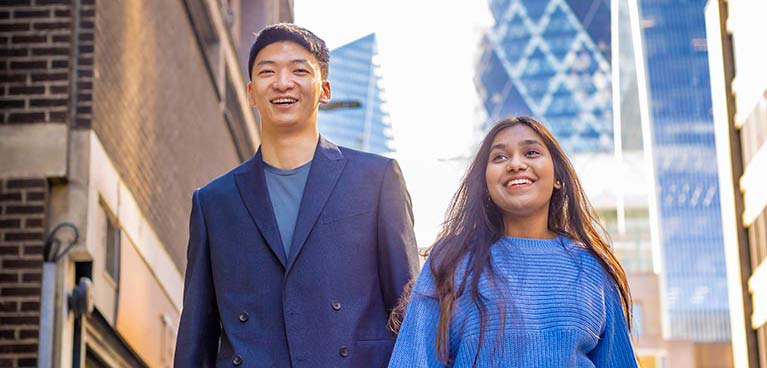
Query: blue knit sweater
(561,310)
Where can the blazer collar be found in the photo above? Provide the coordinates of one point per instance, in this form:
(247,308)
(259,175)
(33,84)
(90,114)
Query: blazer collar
(254,193)
(327,164)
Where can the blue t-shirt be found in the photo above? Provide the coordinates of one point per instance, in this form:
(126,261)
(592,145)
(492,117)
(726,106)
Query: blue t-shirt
(286,187)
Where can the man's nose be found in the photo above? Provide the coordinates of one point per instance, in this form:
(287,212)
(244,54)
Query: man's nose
(283,81)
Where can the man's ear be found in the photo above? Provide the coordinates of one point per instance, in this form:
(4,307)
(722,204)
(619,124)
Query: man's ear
(325,97)
(251,99)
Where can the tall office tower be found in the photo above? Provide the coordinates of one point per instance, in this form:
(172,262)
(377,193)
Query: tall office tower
(685,166)
(357,116)
(551,60)
(580,67)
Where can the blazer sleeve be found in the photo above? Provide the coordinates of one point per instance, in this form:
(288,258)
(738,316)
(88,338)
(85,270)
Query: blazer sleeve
(397,249)
(199,329)
(614,348)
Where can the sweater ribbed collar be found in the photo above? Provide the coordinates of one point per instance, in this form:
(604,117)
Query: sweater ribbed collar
(529,245)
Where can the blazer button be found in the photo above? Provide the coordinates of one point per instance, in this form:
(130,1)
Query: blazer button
(237,360)
(336,306)
(343,351)
(244,317)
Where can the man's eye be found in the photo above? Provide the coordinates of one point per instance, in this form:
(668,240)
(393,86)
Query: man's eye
(301,71)
(263,72)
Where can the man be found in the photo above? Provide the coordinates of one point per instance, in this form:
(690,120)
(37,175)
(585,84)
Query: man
(297,256)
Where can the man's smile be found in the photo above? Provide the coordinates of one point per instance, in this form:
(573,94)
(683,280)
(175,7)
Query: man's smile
(284,101)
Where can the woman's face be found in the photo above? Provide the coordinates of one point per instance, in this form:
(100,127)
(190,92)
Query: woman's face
(520,173)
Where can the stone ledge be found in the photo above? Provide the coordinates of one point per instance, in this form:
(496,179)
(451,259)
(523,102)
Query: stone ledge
(33,150)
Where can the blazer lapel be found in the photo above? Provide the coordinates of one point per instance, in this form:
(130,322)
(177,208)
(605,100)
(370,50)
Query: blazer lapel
(254,193)
(327,165)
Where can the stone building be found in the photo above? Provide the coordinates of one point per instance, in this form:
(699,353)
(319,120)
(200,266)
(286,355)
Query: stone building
(112,113)
(738,64)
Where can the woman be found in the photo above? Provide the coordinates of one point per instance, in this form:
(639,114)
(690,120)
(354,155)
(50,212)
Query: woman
(520,275)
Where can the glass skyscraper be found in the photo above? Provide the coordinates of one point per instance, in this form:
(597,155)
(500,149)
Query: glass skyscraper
(685,169)
(359,119)
(585,68)
(551,60)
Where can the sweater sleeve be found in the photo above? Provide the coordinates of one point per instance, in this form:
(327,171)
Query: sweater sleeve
(416,341)
(614,349)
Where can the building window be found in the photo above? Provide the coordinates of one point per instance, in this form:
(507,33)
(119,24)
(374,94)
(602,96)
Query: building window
(207,40)
(112,254)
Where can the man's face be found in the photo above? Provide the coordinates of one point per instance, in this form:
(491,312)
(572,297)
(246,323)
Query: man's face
(287,86)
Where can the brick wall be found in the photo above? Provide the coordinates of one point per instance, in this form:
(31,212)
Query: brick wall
(36,47)
(35,42)
(132,71)
(23,204)
(157,112)
(83,48)
(145,92)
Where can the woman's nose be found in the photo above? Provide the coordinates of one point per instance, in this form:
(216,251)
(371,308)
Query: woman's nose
(515,164)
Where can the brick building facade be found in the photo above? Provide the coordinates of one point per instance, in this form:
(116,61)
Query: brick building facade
(112,113)
(23,203)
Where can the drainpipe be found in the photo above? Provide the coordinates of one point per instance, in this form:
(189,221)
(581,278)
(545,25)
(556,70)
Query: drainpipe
(51,255)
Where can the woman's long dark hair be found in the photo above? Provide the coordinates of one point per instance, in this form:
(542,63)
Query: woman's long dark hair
(473,222)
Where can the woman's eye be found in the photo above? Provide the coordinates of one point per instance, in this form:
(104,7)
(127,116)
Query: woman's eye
(532,153)
(499,157)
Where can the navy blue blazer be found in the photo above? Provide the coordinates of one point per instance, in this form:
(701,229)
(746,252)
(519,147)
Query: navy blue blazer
(326,303)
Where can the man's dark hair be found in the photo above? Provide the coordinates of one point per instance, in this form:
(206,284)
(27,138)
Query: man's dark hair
(293,33)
